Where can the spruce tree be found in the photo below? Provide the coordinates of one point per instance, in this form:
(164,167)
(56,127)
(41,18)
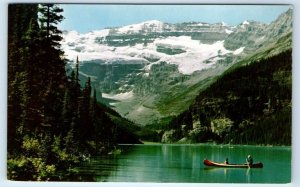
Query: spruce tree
(51,120)
(50,17)
(20,18)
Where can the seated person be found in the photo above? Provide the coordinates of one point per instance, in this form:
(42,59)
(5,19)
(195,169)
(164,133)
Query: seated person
(249,160)
(226,161)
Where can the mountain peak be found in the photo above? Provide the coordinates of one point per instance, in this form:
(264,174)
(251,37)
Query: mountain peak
(285,16)
(282,25)
(224,24)
(246,22)
(147,26)
(155,22)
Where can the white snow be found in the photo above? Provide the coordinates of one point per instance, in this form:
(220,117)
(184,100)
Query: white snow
(140,109)
(224,24)
(246,22)
(190,60)
(152,25)
(238,51)
(90,50)
(260,39)
(176,42)
(99,33)
(119,97)
(228,31)
(196,53)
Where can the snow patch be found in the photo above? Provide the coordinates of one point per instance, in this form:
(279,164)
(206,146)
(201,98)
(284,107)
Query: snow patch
(224,24)
(152,25)
(140,109)
(196,53)
(260,39)
(228,31)
(246,22)
(99,33)
(238,51)
(87,48)
(118,97)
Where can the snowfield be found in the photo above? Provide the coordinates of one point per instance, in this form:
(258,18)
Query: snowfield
(191,59)
(148,26)
(119,97)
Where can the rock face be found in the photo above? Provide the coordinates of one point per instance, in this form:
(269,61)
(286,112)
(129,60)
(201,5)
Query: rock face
(169,137)
(153,70)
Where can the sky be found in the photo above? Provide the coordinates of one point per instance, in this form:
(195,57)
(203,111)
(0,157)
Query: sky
(88,17)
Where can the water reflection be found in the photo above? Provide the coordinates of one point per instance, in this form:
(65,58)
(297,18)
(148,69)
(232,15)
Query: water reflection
(229,174)
(184,163)
(248,175)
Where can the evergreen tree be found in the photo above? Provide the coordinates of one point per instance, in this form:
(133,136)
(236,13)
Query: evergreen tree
(35,90)
(20,17)
(77,80)
(50,17)
(51,120)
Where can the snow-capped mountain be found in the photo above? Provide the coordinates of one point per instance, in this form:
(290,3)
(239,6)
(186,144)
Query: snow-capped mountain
(186,45)
(144,27)
(142,68)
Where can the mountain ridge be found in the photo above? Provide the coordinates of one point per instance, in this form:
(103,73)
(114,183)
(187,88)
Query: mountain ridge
(152,64)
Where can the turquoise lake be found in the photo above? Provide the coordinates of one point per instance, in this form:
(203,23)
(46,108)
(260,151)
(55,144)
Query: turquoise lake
(184,164)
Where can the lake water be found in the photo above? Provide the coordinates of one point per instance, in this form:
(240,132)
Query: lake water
(184,163)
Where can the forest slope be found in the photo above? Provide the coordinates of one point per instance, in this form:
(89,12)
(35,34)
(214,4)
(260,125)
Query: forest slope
(249,104)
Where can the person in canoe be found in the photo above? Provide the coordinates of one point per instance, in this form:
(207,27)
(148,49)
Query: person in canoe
(226,161)
(249,160)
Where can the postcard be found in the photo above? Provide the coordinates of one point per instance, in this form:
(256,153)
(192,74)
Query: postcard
(161,93)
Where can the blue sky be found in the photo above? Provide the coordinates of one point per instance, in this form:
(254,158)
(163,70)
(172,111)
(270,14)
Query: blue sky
(87,17)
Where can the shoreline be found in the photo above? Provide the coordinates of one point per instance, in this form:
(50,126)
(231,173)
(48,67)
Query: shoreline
(211,144)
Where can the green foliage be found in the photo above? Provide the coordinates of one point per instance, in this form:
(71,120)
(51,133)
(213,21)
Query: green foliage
(126,131)
(248,104)
(49,17)
(199,134)
(30,168)
(267,130)
(30,145)
(41,169)
(53,123)
(221,126)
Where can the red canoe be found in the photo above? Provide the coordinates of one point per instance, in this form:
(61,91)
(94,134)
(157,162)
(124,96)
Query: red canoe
(217,164)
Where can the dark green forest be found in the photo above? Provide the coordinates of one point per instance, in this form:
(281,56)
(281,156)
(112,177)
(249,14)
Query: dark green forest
(53,122)
(248,104)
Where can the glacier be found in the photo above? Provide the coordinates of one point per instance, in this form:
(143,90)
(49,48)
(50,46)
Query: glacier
(86,48)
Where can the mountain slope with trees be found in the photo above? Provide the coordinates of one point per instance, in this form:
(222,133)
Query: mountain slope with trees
(162,67)
(249,104)
(53,121)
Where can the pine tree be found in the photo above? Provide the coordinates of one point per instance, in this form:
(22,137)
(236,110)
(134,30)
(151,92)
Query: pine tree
(54,76)
(77,80)
(84,107)
(21,17)
(50,17)
(51,120)
(36,86)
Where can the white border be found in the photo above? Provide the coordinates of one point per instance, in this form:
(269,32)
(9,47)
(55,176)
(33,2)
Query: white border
(3,92)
